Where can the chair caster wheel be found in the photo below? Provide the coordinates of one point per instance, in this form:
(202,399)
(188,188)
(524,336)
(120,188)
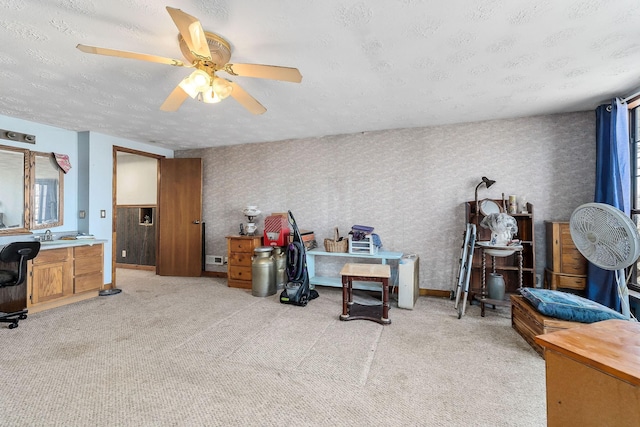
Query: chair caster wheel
(13,325)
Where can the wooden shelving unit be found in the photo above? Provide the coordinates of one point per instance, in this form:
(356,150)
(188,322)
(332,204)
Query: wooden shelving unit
(506,266)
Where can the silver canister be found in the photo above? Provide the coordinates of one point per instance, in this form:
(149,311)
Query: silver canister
(263,272)
(281,267)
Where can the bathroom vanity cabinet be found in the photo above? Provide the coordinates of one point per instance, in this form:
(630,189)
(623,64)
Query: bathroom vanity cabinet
(63,275)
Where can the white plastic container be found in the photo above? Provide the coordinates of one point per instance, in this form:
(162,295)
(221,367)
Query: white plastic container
(364,246)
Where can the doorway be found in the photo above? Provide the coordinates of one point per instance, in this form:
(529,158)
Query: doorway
(135,201)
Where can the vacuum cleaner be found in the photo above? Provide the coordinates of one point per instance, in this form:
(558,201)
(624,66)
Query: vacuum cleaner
(297,290)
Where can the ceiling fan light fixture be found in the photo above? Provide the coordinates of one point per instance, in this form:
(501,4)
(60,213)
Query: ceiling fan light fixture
(189,87)
(221,87)
(210,97)
(201,80)
(196,82)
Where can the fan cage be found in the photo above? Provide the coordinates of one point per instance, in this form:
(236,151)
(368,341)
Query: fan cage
(605,236)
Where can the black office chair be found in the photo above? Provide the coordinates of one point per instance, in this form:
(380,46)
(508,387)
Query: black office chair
(19,252)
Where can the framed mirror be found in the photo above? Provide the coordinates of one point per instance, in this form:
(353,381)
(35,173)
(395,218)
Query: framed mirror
(47,190)
(488,206)
(14,191)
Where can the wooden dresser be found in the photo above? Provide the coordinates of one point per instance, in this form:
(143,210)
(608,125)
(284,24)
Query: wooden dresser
(239,252)
(566,267)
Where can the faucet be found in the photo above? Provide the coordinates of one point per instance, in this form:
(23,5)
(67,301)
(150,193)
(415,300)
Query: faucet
(47,236)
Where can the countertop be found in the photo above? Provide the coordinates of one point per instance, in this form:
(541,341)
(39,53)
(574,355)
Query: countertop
(55,244)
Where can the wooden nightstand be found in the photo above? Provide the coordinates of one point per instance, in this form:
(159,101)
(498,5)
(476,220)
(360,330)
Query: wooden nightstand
(239,252)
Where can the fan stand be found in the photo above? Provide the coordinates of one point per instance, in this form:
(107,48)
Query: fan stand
(623,294)
(108,292)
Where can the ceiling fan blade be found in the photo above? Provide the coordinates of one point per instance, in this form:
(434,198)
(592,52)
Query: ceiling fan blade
(246,100)
(132,55)
(273,72)
(191,32)
(174,100)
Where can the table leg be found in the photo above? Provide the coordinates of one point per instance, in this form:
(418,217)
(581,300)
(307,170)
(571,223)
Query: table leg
(385,301)
(345,297)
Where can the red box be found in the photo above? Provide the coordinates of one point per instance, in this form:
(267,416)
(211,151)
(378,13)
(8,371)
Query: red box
(276,231)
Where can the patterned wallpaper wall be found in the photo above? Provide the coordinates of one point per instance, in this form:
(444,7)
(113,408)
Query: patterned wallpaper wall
(410,184)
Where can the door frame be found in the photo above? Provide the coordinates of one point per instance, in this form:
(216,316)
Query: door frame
(114,209)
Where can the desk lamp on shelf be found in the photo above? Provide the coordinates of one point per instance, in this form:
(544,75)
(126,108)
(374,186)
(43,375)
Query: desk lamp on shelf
(488,183)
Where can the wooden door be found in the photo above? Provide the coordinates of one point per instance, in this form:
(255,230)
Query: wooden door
(179,218)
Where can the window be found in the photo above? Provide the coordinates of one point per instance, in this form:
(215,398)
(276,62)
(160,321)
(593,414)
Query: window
(634,133)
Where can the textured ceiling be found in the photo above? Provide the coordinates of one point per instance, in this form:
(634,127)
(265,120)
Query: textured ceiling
(366,65)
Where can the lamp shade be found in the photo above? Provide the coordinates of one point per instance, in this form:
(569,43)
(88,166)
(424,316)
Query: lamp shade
(488,182)
(210,97)
(221,87)
(201,80)
(196,82)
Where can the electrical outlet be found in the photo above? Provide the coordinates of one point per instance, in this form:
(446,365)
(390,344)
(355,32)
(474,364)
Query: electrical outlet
(124,253)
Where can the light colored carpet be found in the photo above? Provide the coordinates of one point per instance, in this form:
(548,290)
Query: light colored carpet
(192,352)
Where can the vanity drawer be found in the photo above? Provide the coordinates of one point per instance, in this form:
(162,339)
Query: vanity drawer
(52,255)
(88,251)
(88,282)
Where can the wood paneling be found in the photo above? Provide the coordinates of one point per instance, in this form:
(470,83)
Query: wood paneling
(138,240)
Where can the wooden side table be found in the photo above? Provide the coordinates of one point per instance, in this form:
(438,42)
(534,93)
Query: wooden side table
(593,374)
(365,273)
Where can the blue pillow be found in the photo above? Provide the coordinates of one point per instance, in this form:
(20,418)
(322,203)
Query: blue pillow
(566,306)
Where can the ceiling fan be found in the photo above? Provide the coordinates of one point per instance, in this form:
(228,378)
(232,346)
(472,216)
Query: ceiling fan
(208,53)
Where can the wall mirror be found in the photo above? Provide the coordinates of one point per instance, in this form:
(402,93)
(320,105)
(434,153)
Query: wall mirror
(14,190)
(47,181)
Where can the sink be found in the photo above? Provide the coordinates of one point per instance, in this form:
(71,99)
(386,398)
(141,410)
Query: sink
(55,242)
(498,250)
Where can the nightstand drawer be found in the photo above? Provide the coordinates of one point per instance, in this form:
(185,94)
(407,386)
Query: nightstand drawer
(241,245)
(240,259)
(239,273)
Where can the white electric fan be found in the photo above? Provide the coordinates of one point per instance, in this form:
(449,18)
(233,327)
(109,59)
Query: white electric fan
(609,239)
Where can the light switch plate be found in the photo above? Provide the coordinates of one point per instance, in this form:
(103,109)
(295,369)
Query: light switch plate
(103,213)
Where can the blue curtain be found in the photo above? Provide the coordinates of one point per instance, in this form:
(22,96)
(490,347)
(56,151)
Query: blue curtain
(613,187)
